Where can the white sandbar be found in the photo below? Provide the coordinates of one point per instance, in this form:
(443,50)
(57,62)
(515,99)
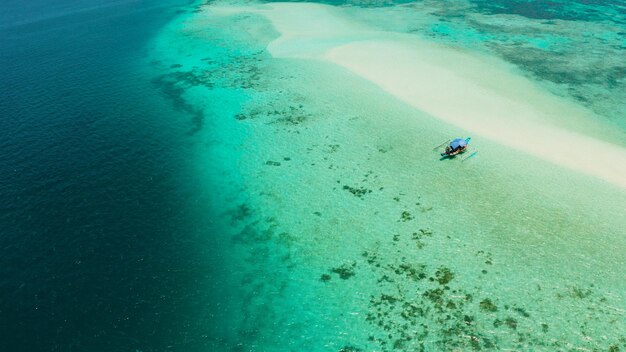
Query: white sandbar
(478,93)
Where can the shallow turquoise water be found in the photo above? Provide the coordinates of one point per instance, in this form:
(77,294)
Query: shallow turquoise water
(345,233)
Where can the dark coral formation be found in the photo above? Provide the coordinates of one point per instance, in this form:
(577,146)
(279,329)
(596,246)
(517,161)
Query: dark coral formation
(488,306)
(344,271)
(406,216)
(240,213)
(419,308)
(357,191)
(286,115)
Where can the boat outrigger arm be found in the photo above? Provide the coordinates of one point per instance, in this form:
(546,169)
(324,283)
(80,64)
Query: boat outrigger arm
(442,144)
(474,152)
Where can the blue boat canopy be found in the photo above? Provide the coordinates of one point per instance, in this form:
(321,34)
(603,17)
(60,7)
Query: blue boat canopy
(458,143)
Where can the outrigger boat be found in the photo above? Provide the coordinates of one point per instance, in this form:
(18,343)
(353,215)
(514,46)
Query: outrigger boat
(455,147)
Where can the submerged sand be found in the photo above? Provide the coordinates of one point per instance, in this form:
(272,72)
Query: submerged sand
(347,233)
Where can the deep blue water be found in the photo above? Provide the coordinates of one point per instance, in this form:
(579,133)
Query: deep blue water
(96,248)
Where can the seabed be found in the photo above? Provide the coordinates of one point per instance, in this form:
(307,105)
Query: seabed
(347,233)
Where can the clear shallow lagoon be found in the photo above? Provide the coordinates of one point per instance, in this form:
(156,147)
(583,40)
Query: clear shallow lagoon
(301,207)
